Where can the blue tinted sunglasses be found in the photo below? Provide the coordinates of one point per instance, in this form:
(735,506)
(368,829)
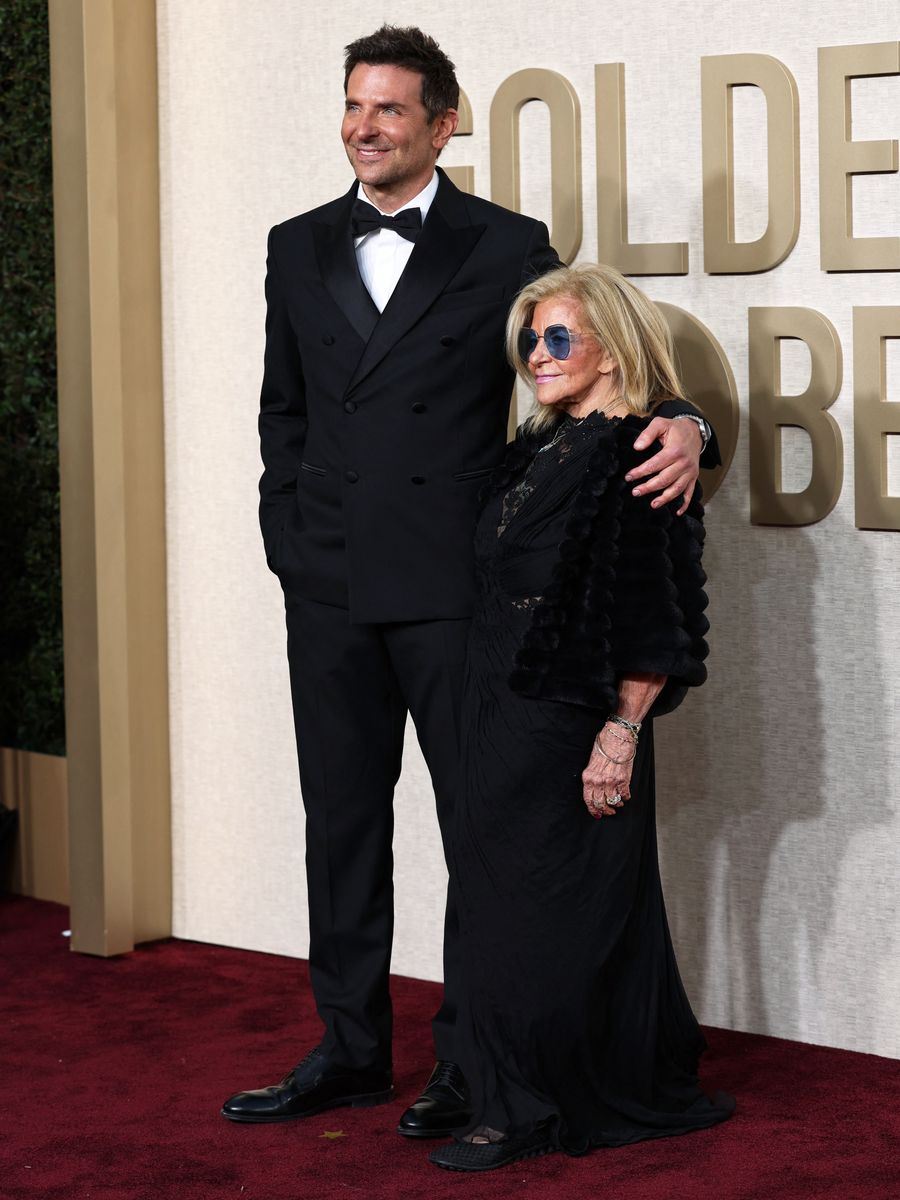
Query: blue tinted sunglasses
(557,340)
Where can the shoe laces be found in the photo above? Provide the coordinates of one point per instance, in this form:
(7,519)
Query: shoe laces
(447,1074)
(313,1054)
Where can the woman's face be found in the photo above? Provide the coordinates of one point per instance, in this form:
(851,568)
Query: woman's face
(581,383)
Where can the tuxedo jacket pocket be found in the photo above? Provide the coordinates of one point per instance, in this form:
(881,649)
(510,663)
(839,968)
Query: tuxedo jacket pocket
(469,298)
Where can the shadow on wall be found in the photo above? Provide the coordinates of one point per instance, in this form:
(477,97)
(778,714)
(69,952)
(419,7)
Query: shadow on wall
(778,777)
(844,902)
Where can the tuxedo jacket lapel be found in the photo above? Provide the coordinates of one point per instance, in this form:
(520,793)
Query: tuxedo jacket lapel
(340,273)
(446,241)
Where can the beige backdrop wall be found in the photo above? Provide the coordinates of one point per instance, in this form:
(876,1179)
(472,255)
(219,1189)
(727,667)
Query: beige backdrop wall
(779,821)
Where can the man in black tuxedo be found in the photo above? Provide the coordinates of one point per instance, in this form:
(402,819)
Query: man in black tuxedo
(384,405)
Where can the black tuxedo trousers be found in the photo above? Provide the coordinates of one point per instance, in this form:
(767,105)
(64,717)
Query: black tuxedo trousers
(352,687)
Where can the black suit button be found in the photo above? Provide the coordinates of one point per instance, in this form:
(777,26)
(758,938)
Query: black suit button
(351,476)
(349,406)
(418,479)
(419,407)
(327,339)
(447,340)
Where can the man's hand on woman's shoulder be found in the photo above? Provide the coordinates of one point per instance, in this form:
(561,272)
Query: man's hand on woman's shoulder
(673,470)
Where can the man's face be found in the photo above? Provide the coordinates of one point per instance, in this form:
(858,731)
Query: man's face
(385,130)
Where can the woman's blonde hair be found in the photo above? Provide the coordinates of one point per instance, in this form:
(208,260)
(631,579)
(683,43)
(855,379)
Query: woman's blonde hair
(624,321)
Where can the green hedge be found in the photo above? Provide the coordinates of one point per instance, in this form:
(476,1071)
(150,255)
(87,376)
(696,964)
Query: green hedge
(31,670)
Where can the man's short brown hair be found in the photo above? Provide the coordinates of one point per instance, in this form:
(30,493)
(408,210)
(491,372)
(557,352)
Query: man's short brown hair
(407,46)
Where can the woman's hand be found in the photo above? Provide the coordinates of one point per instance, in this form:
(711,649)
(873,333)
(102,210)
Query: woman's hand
(604,779)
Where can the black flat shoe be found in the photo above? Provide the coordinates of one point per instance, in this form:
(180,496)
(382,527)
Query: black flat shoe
(313,1086)
(442,1107)
(488,1156)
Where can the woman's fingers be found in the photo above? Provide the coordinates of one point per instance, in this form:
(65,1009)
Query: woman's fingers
(599,804)
(606,786)
(598,809)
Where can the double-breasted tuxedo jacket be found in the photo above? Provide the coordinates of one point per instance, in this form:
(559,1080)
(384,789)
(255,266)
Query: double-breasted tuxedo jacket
(377,431)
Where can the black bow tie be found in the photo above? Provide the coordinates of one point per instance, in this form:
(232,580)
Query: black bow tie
(365,217)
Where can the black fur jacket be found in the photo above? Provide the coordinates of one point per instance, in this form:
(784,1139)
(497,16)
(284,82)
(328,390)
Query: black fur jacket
(626,593)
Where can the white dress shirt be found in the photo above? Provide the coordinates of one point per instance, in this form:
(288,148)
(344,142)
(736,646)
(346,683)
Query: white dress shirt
(383,254)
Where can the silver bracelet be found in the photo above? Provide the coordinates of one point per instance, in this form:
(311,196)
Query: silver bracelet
(633,727)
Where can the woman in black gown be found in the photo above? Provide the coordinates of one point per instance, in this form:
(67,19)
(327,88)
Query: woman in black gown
(574,1030)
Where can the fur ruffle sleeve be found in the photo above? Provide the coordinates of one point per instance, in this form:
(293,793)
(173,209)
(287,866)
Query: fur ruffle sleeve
(658,613)
(627,592)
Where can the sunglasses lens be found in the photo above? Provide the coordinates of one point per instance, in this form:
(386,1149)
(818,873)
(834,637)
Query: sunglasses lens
(556,338)
(557,341)
(527,342)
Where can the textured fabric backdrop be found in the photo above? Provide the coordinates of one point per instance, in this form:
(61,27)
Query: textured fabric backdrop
(779,818)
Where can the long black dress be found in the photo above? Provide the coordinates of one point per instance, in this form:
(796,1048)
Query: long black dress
(573,1011)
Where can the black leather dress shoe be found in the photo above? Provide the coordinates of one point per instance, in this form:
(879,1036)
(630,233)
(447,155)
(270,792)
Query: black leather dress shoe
(442,1107)
(311,1087)
(488,1156)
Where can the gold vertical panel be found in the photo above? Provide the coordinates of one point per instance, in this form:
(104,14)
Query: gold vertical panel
(137,149)
(74,366)
(35,785)
(106,189)
(874,416)
(840,158)
(708,382)
(466,126)
(565,150)
(770,411)
(463,177)
(613,246)
(720,75)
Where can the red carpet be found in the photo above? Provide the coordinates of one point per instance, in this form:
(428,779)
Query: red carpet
(112,1074)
